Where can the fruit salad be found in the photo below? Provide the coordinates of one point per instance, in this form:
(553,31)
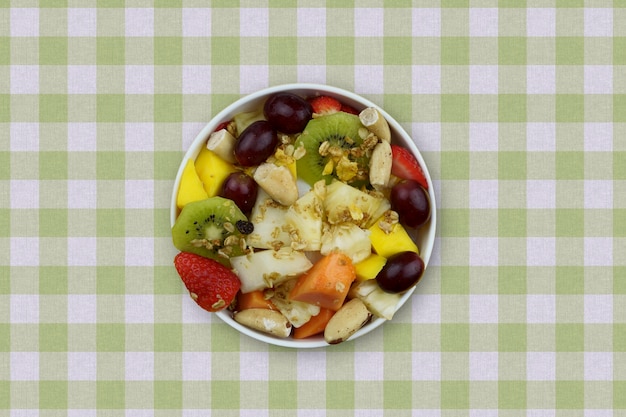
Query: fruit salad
(299,217)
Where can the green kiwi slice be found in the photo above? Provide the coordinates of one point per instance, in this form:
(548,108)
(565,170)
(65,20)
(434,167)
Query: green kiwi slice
(340,131)
(209,228)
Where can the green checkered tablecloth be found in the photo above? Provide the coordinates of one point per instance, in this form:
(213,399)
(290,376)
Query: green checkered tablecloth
(519,109)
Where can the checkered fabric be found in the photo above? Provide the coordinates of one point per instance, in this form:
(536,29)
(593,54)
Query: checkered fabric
(519,109)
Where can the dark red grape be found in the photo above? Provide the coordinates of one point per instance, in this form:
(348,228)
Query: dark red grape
(401,272)
(242,189)
(411,202)
(287,112)
(256,143)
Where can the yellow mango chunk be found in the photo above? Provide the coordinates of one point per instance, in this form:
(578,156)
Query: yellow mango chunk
(369,267)
(191,188)
(212,171)
(387,244)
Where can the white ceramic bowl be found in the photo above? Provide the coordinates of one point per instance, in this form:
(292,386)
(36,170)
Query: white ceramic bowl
(424,238)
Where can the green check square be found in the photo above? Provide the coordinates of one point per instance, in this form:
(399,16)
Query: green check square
(570,108)
(5,284)
(619,165)
(512,395)
(52,50)
(225,394)
(110,165)
(570,395)
(110,337)
(456,224)
(53,279)
(53,337)
(455,165)
(511,4)
(110,279)
(340,395)
(619,223)
(619,286)
(283,50)
(569,3)
(397,50)
(110,50)
(283,395)
(52,222)
(166,165)
(512,337)
(168,337)
(172,4)
(455,279)
(339,50)
(53,395)
(400,105)
(224,50)
(619,50)
(110,394)
(511,50)
(168,395)
(455,395)
(110,108)
(222,339)
(619,108)
(5,338)
(110,222)
(455,4)
(619,336)
(5,397)
(512,108)
(166,280)
(570,280)
(398,337)
(570,165)
(110,3)
(53,165)
(570,50)
(619,400)
(168,108)
(512,165)
(570,223)
(5,108)
(512,223)
(570,337)
(5,222)
(5,50)
(387,4)
(52,108)
(52,3)
(168,50)
(397,395)
(455,108)
(455,337)
(455,50)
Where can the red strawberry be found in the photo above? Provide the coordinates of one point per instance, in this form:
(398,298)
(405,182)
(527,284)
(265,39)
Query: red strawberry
(223,125)
(348,109)
(212,285)
(324,105)
(405,166)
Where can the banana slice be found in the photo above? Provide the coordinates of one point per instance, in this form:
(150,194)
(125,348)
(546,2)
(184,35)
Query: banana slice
(222,143)
(375,123)
(380,165)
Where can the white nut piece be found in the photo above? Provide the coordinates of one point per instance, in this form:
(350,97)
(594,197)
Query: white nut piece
(374,121)
(222,143)
(346,321)
(264,320)
(380,165)
(278,182)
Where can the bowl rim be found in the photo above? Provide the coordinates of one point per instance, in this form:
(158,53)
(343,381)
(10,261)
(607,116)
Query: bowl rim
(309,89)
